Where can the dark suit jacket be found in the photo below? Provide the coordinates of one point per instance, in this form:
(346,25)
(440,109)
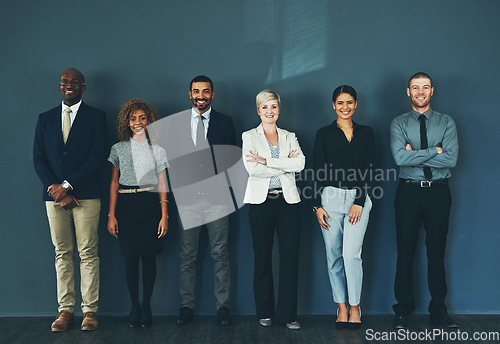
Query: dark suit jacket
(79,160)
(220,130)
(189,164)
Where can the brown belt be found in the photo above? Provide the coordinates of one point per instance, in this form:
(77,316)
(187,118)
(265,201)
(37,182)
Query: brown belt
(136,190)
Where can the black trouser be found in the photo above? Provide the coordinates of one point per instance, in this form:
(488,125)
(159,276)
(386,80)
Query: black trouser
(414,206)
(273,214)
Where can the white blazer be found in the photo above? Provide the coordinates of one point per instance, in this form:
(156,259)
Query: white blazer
(284,167)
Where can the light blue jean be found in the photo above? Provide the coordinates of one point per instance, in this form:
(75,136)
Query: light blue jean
(343,243)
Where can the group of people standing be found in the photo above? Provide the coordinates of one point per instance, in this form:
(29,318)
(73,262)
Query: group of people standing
(71,145)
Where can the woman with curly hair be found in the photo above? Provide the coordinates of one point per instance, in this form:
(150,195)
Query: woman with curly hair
(136,217)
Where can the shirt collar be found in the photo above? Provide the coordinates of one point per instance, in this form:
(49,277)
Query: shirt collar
(416,114)
(354,125)
(74,108)
(205,115)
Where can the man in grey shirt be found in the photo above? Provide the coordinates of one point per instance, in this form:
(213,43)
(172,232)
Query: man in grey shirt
(424,145)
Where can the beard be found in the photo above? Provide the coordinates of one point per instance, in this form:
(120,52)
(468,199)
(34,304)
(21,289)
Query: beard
(201,107)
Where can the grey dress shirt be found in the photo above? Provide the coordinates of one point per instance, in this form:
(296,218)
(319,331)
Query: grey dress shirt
(441,132)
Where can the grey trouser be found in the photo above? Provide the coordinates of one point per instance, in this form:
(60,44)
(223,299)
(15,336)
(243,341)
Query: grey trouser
(218,231)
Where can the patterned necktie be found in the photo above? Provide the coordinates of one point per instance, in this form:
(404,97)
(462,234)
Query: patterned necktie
(424,144)
(200,133)
(66,124)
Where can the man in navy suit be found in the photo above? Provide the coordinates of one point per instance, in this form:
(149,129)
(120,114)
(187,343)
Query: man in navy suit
(198,130)
(70,147)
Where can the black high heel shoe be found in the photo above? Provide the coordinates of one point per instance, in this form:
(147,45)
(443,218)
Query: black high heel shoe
(147,316)
(134,319)
(340,324)
(356,325)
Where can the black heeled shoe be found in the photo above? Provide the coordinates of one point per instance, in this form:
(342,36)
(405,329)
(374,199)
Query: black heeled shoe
(134,319)
(147,316)
(340,324)
(356,325)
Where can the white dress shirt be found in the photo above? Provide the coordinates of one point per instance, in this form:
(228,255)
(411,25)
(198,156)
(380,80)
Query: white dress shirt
(194,122)
(72,115)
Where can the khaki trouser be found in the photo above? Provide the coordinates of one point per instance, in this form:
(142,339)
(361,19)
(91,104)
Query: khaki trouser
(70,229)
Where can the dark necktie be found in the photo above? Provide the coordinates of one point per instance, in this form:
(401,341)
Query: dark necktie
(200,133)
(424,144)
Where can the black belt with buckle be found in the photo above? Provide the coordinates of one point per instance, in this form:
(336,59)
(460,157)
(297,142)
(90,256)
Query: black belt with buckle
(425,183)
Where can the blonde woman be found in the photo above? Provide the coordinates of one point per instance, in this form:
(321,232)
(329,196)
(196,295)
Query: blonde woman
(272,156)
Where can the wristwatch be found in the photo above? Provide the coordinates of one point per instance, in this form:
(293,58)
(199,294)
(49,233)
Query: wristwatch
(67,186)
(315,208)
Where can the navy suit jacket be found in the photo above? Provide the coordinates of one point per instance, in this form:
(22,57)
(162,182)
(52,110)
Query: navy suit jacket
(79,160)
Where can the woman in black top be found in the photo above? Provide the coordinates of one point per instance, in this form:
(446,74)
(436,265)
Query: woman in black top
(343,158)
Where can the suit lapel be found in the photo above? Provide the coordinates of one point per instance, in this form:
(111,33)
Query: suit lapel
(281,141)
(212,126)
(264,150)
(58,121)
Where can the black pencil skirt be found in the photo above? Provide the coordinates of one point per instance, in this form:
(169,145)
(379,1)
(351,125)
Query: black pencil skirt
(138,216)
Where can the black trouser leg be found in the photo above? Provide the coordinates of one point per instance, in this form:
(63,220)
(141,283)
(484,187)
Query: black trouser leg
(288,229)
(436,219)
(262,219)
(408,222)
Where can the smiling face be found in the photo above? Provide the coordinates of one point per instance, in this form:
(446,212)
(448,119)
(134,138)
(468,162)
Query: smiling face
(269,111)
(420,93)
(201,95)
(344,106)
(138,121)
(72,86)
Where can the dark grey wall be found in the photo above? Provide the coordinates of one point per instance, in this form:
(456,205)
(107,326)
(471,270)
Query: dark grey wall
(303,50)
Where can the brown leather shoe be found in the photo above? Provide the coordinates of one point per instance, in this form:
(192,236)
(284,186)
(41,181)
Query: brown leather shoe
(64,318)
(89,322)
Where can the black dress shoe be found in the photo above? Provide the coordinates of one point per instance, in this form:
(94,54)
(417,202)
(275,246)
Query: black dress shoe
(185,316)
(443,320)
(400,321)
(147,316)
(134,319)
(223,316)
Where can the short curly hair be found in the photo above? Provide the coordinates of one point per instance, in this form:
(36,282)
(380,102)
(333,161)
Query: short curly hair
(122,120)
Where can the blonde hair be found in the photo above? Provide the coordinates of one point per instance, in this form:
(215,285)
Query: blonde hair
(266,95)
